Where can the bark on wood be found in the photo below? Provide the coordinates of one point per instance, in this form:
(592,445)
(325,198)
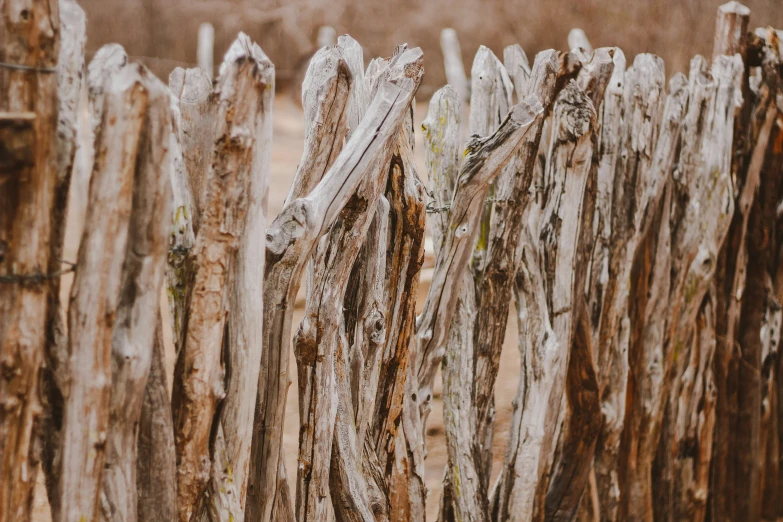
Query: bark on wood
(29,175)
(581,418)
(354,491)
(192,95)
(156,466)
(731,25)
(566,177)
(200,375)
(385,445)
(758,239)
(70,67)
(142,276)
(623,237)
(290,239)
(95,295)
(188,88)
(325,102)
(697,233)
(751,133)
(452,63)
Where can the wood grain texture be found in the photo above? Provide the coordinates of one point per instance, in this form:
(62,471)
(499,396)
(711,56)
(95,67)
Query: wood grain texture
(156,464)
(142,277)
(70,72)
(95,294)
(29,36)
(200,375)
(290,240)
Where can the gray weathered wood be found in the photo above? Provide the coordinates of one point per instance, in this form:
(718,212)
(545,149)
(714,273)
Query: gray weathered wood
(701,213)
(484,160)
(245,334)
(95,294)
(290,239)
(142,277)
(476,344)
(200,374)
(441,150)
(325,95)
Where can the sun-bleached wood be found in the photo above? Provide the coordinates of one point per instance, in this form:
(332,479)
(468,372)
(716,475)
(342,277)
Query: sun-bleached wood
(325,96)
(290,239)
(325,101)
(70,69)
(245,335)
(442,155)
(206,48)
(28,123)
(491,282)
(581,420)
(187,87)
(484,159)
(452,63)
(696,236)
(142,277)
(359,99)
(95,294)
(200,373)
(405,248)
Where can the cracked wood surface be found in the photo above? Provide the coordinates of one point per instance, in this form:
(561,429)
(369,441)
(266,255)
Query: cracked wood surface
(142,277)
(292,237)
(29,36)
(70,72)
(96,292)
(200,373)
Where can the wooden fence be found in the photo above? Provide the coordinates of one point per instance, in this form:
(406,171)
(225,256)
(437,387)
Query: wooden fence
(633,223)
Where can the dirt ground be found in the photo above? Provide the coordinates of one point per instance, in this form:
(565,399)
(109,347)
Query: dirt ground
(287,150)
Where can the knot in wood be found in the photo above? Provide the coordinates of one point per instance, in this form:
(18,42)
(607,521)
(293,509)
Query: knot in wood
(290,225)
(375,326)
(576,113)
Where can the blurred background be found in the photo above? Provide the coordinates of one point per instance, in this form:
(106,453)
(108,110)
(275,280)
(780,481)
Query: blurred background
(286,29)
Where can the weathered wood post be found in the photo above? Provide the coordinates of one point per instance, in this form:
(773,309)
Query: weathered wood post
(70,72)
(29,48)
(233,180)
(95,294)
